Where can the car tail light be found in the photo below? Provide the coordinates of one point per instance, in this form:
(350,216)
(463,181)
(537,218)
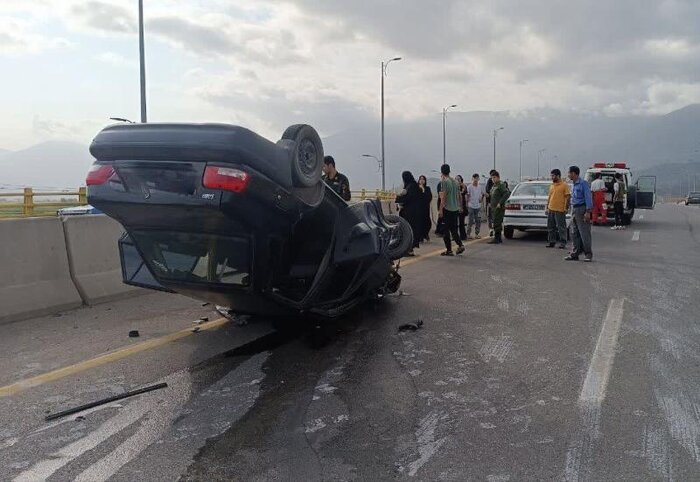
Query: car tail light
(512,207)
(225,178)
(620,165)
(99,174)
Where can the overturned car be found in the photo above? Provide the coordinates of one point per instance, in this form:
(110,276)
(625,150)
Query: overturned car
(221,214)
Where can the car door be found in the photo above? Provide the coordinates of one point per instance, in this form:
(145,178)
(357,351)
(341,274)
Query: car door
(646,192)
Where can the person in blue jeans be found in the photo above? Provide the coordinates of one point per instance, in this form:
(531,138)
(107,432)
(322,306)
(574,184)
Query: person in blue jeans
(582,206)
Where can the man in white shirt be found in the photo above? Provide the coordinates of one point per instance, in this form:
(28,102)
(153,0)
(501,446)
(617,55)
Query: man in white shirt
(475,195)
(599,209)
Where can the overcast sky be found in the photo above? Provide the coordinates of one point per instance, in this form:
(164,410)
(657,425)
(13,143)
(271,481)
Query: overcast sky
(68,65)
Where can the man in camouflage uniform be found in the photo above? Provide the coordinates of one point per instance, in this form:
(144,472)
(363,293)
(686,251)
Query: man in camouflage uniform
(499,195)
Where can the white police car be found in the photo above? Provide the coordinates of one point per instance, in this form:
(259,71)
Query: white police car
(526,206)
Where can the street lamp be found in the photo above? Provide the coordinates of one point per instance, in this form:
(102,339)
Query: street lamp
(385,64)
(379,162)
(444,142)
(539,154)
(521,158)
(142,61)
(121,119)
(495,133)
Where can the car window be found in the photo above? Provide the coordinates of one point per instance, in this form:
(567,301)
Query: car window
(194,257)
(531,190)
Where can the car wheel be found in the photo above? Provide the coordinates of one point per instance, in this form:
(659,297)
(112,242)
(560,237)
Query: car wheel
(508,232)
(401,240)
(306,155)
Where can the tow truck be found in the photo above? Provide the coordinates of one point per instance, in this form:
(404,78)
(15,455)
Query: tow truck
(641,193)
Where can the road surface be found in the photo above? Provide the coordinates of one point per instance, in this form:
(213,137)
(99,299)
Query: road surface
(527,367)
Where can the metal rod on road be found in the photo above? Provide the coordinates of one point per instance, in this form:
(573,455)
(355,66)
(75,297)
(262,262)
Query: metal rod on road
(114,398)
(142,61)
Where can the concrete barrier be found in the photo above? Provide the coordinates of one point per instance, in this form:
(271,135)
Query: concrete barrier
(34,273)
(93,257)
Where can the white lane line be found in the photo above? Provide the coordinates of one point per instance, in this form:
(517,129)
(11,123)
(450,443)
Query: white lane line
(635,236)
(580,452)
(596,382)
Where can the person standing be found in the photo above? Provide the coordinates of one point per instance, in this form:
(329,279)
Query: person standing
(475,196)
(337,181)
(449,210)
(426,199)
(499,195)
(489,211)
(582,202)
(411,211)
(557,206)
(463,204)
(598,189)
(620,192)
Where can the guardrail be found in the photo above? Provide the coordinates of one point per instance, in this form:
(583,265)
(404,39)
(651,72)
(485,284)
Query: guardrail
(373,194)
(30,207)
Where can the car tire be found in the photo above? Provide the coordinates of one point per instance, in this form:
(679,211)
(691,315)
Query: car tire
(401,240)
(306,156)
(508,232)
(632,198)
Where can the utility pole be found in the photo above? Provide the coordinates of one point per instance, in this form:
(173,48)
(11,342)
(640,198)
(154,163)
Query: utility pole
(521,159)
(495,133)
(444,131)
(142,58)
(539,154)
(385,64)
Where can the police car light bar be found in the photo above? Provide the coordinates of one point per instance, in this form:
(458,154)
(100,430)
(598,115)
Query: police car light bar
(614,165)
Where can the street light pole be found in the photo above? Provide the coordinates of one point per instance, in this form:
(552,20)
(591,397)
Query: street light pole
(521,159)
(142,61)
(444,132)
(495,132)
(539,154)
(383,74)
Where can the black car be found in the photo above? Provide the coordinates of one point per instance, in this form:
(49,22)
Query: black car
(221,214)
(693,198)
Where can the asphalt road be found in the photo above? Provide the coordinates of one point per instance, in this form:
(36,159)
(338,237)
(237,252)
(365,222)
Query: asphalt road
(527,368)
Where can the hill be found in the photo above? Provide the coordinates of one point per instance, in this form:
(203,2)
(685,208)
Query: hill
(48,165)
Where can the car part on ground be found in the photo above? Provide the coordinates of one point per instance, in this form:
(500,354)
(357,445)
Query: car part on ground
(221,214)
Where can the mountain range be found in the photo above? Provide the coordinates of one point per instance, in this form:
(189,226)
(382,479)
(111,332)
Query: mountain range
(662,145)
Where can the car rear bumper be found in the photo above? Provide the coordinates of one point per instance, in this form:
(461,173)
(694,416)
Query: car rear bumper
(529,221)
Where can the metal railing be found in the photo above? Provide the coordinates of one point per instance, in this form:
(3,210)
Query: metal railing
(372,194)
(31,207)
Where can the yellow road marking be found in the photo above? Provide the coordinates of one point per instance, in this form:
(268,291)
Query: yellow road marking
(421,257)
(109,357)
(128,351)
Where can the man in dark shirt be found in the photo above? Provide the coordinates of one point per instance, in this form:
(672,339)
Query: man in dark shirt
(489,211)
(337,181)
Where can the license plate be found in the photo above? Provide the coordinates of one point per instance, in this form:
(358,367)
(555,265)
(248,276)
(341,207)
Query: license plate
(534,207)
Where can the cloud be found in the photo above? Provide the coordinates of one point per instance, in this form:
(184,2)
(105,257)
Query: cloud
(114,59)
(105,17)
(17,38)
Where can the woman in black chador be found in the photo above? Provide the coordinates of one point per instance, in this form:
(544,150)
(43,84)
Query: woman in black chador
(410,201)
(426,199)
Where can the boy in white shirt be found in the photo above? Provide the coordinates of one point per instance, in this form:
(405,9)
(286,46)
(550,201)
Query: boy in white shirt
(475,195)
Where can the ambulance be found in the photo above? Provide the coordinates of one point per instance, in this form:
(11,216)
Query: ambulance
(641,192)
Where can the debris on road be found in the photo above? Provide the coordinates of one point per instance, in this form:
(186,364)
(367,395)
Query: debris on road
(196,329)
(134,334)
(412,326)
(104,401)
